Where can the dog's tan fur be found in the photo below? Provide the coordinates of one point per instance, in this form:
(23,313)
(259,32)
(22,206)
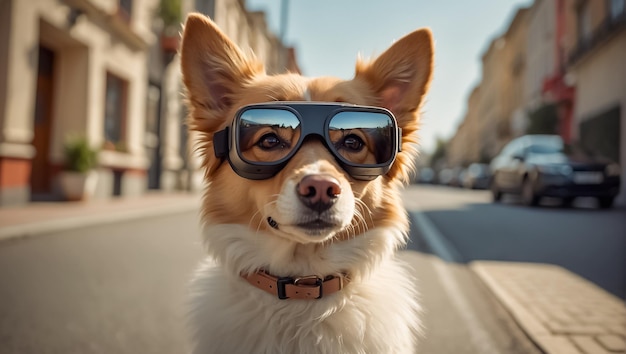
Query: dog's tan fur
(377,312)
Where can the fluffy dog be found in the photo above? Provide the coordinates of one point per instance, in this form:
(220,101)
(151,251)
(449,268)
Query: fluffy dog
(326,240)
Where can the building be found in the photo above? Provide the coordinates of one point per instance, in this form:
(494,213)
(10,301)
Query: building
(464,147)
(72,67)
(494,110)
(596,68)
(558,69)
(106,70)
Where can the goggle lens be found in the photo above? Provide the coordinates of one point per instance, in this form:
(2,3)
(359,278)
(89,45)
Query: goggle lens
(267,135)
(362,138)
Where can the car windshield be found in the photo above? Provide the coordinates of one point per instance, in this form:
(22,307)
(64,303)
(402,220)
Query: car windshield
(545,149)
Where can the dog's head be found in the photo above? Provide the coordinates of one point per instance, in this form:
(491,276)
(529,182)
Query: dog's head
(312,199)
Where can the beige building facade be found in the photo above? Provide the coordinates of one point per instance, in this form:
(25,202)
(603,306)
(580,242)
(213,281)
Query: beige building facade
(464,147)
(598,71)
(492,116)
(65,66)
(103,70)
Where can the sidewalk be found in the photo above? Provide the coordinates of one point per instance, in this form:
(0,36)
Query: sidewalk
(560,311)
(43,217)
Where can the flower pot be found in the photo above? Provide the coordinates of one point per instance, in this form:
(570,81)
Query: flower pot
(170,43)
(77,186)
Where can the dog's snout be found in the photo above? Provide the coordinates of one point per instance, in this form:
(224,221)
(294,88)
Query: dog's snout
(318,192)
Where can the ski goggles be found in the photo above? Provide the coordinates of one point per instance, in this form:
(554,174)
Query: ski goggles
(264,137)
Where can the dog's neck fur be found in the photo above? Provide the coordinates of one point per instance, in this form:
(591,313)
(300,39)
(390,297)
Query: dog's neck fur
(242,251)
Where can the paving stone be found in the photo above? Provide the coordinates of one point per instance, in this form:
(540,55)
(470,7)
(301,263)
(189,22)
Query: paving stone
(560,311)
(588,345)
(575,328)
(613,343)
(557,345)
(617,329)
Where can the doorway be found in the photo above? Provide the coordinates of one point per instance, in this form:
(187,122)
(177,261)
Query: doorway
(40,179)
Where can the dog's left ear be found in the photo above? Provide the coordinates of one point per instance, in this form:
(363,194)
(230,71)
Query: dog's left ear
(401,75)
(400,78)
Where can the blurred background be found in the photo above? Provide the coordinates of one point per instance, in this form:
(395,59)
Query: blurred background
(95,85)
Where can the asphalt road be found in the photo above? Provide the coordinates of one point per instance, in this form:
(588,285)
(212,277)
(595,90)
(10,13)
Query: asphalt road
(588,241)
(120,288)
(115,288)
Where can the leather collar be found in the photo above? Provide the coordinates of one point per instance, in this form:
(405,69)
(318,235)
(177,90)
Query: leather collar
(306,287)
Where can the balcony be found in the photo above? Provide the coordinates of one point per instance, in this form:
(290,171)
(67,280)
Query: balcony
(607,29)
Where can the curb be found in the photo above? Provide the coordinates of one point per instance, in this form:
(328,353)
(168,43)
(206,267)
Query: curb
(94,218)
(560,311)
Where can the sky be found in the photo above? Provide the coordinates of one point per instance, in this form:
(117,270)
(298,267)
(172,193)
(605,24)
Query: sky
(329,35)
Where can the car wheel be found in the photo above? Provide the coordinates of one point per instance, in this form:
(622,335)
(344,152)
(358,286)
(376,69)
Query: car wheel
(495,193)
(529,197)
(567,202)
(606,202)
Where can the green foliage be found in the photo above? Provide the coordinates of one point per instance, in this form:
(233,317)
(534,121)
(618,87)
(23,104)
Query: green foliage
(79,156)
(170,13)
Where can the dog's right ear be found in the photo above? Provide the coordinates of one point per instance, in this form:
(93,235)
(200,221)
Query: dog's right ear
(214,69)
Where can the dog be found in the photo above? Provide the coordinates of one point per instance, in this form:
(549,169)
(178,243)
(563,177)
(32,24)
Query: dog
(302,215)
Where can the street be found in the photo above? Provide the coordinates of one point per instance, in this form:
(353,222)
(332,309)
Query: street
(120,287)
(587,241)
(115,288)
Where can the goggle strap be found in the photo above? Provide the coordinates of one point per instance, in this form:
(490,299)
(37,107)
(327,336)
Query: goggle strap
(399,139)
(220,143)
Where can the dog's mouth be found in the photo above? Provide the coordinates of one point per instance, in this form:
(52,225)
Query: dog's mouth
(316,227)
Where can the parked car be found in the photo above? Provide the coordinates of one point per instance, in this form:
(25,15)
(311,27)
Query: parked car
(477,176)
(425,175)
(536,166)
(450,177)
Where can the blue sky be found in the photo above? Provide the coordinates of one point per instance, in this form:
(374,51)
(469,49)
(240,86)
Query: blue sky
(329,34)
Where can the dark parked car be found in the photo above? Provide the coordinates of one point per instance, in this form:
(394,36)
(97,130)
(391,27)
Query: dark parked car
(536,166)
(425,175)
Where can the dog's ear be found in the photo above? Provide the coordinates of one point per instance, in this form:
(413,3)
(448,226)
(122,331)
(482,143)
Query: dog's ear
(214,71)
(400,77)
(213,67)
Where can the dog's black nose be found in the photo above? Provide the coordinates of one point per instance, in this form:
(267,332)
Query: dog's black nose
(318,192)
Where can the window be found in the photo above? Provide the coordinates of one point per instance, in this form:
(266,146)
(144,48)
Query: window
(616,8)
(125,9)
(584,23)
(115,109)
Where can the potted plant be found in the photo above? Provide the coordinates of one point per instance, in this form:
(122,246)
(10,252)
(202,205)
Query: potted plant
(78,179)
(171,15)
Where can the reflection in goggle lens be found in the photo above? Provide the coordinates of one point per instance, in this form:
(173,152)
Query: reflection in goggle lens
(361,138)
(267,135)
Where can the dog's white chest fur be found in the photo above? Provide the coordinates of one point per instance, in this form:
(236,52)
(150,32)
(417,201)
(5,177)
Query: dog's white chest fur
(375,313)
